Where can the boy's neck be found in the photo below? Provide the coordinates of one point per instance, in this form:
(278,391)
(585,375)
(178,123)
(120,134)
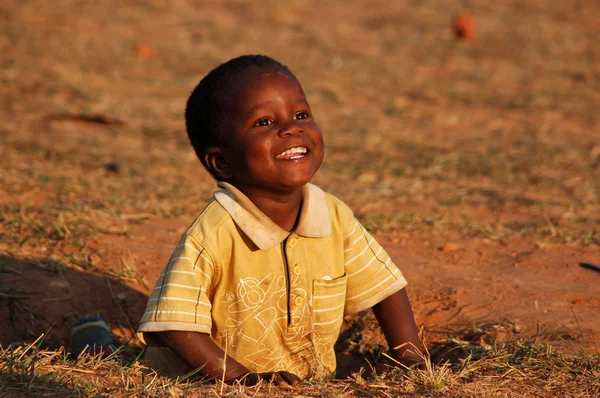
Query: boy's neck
(283,208)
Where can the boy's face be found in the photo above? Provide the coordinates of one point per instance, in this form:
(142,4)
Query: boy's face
(274,142)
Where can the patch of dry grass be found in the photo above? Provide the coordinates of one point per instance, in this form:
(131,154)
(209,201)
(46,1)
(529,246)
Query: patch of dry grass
(516,368)
(585,233)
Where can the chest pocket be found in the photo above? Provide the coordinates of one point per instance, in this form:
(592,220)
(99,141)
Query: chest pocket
(328,300)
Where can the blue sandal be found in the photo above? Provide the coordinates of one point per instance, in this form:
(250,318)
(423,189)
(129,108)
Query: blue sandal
(91,334)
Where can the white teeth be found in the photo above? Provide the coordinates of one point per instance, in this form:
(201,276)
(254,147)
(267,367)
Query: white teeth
(293,151)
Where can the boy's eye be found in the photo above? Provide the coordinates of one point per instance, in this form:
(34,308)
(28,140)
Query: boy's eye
(301,115)
(262,122)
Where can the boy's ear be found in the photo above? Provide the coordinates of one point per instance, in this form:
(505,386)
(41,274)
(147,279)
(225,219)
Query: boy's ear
(217,163)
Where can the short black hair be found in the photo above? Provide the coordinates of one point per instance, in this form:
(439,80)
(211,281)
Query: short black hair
(206,108)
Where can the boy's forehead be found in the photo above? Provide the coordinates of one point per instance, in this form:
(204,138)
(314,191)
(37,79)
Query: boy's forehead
(265,76)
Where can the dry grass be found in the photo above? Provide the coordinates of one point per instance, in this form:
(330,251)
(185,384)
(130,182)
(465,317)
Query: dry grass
(524,368)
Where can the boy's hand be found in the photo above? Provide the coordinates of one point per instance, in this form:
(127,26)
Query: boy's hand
(281,378)
(200,352)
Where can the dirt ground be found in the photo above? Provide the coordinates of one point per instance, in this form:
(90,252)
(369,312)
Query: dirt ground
(476,164)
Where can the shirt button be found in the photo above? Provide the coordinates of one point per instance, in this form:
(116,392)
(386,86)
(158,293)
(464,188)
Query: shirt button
(298,301)
(293,243)
(297,270)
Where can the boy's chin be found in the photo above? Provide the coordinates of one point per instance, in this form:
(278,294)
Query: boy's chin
(297,181)
(294,182)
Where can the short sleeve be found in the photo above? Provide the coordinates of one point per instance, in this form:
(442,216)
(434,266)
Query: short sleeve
(371,274)
(180,298)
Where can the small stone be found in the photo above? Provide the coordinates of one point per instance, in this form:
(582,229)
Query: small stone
(367,178)
(337,63)
(450,247)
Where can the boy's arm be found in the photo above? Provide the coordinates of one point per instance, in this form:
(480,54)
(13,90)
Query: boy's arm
(199,351)
(397,323)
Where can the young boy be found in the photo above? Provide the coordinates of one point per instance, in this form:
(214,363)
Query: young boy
(259,284)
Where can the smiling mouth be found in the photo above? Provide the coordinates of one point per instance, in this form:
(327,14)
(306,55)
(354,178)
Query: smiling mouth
(293,153)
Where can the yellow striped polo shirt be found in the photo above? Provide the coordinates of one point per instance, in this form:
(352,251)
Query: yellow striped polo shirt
(273,300)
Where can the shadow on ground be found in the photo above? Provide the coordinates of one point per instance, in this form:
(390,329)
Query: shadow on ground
(41,296)
(37,386)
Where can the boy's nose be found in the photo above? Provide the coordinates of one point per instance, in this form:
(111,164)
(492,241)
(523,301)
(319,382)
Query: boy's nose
(291,128)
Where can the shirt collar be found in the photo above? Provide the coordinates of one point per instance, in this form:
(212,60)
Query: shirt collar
(315,221)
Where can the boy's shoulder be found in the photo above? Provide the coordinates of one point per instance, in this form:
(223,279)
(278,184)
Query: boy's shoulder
(211,220)
(338,208)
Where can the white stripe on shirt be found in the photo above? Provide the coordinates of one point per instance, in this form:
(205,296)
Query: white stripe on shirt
(190,246)
(361,253)
(330,309)
(368,263)
(180,258)
(352,244)
(330,295)
(207,260)
(177,312)
(176,285)
(353,229)
(374,287)
(176,271)
(330,284)
(180,299)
